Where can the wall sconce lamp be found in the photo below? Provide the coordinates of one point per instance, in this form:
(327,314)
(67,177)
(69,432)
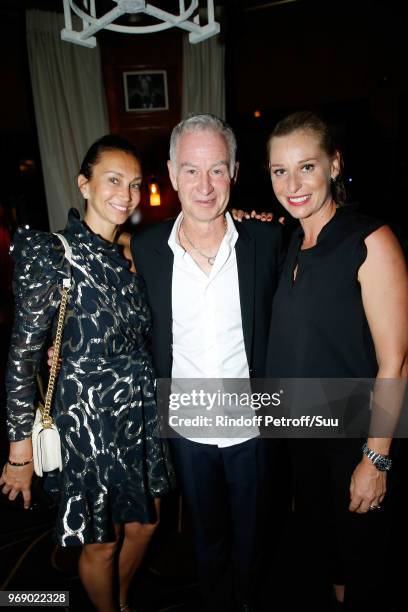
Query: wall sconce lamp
(154,193)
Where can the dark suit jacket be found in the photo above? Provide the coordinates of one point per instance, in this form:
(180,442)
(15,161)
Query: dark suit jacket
(259,252)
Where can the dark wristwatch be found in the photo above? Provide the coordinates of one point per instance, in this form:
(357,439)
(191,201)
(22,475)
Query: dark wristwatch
(383,463)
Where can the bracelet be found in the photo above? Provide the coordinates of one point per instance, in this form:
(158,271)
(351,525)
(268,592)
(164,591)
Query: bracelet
(20,464)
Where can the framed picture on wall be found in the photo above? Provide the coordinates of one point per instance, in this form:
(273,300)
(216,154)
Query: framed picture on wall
(145,91)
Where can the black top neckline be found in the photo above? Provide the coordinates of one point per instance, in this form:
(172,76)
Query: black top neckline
(324,232)
(79,228)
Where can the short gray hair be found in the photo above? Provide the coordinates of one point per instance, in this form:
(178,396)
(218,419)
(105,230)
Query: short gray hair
(201,123)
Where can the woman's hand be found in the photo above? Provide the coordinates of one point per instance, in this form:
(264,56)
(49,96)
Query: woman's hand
(50,353)
(239,215)
(367,488)
(17,479)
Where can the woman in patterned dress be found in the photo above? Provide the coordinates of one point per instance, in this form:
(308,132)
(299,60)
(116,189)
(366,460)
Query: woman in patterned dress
(115,467)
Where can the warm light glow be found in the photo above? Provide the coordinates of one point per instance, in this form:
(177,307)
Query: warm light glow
(257,114)
(27,165)
(154,194)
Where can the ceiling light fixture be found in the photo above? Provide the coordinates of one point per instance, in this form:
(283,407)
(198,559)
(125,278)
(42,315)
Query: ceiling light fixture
(186,19)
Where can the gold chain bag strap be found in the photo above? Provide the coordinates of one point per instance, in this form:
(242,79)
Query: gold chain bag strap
(45,436)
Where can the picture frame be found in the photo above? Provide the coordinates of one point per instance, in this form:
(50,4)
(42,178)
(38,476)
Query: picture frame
(145,91)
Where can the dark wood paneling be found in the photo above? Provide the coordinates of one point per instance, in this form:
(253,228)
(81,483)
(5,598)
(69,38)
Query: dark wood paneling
(149,131)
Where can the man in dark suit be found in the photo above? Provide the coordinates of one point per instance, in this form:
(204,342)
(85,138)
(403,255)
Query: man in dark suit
(210,285)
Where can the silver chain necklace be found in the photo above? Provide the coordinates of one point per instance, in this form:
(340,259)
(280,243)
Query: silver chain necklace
(211,259)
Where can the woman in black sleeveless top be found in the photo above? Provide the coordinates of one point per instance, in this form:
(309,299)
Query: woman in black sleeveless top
(340,311)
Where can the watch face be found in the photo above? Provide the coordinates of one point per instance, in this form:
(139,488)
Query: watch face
(382,464)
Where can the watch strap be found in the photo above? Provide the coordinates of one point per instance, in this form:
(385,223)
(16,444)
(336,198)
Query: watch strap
(383,463)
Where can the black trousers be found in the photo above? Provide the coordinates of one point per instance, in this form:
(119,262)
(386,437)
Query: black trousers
(227,491)
(335,544)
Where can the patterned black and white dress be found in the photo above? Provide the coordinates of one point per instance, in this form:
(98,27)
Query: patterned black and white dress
(114,462)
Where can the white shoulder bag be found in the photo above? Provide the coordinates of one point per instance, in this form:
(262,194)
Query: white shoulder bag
(45,436)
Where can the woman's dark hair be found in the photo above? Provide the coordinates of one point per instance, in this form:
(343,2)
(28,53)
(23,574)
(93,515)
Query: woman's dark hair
(109,142)
(311,122)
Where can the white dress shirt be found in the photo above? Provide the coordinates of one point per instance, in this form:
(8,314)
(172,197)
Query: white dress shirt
(208,340)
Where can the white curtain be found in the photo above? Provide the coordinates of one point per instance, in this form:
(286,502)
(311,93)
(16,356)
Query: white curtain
(204,77)
(70,108)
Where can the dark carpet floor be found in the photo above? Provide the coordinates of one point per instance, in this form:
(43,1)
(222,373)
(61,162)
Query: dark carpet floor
(30,560)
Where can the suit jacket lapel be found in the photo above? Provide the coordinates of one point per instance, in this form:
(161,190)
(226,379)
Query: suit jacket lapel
(165,260)
(245,251)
